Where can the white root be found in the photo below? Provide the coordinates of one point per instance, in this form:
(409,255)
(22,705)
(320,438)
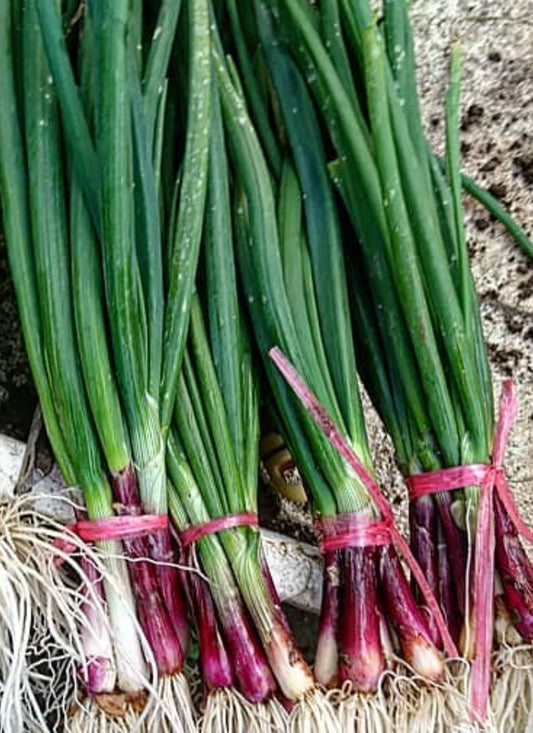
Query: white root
(40,620)
(512,689)
(417,706)
(42,633)
(361,712)
(170,709)
(228,711)
(314,713)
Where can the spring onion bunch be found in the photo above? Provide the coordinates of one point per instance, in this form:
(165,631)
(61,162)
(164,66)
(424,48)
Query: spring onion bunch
(38,623)
(248,657)
(297,298)
(416,315)
(87,204)
(35,219)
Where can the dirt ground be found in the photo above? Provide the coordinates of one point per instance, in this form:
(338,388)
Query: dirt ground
(17,395)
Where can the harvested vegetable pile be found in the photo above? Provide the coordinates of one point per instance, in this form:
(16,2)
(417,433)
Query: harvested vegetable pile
(207,210)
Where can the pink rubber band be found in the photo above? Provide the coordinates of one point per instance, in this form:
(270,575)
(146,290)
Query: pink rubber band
(340,531)
(491,478)
(340,443)
(125,527)
(218,524)
(445,479)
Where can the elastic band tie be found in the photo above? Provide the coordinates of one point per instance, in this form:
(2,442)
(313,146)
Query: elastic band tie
(445,479)
(124,527)
(491,478)
(341,444)
(341,531)
(192,534)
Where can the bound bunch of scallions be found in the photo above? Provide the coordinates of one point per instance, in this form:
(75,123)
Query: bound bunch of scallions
(185,186)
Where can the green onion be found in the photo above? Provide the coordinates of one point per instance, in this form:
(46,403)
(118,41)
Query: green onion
(297,297)
(213,463)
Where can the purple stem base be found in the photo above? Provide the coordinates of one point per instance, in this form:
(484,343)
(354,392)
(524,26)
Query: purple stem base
(515,570)
(361,658)
(252,670)
(215,663)
(153,614)
(456,547)
(423,526)
(410,626)
(448,600)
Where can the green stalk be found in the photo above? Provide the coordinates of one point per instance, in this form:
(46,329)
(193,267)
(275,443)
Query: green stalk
(265,251)
(497,210)
(215,409)
(196,441)
(406,267)
(148,232)
(253,95)
(347,122)
(298,279)
(126,307)
(386,302)
(89,309)
(50,249)
(299,443)
(88,296)
(228,339)
(328,265)
(465,283)
(454,181)
(50,246)
(400,51)
(186,244)
(364,206)
(156,66)
(74,121)
(334,41)
(16,218)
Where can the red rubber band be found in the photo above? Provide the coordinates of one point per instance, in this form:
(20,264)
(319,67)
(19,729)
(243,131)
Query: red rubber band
(446,479)
(352,530)
(192,534)
(125,527)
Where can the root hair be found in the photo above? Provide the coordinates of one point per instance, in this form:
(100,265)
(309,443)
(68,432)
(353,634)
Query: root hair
(314,712)
(40,620)
(228,711)
(171,709)
(361,712)
(512,689)
(418,706)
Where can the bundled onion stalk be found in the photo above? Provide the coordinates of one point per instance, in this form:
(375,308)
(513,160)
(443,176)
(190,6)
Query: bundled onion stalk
(214,478)
(38,625)
(85,225)
(36,235)
(416,313)
(297,297)
(249,660)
